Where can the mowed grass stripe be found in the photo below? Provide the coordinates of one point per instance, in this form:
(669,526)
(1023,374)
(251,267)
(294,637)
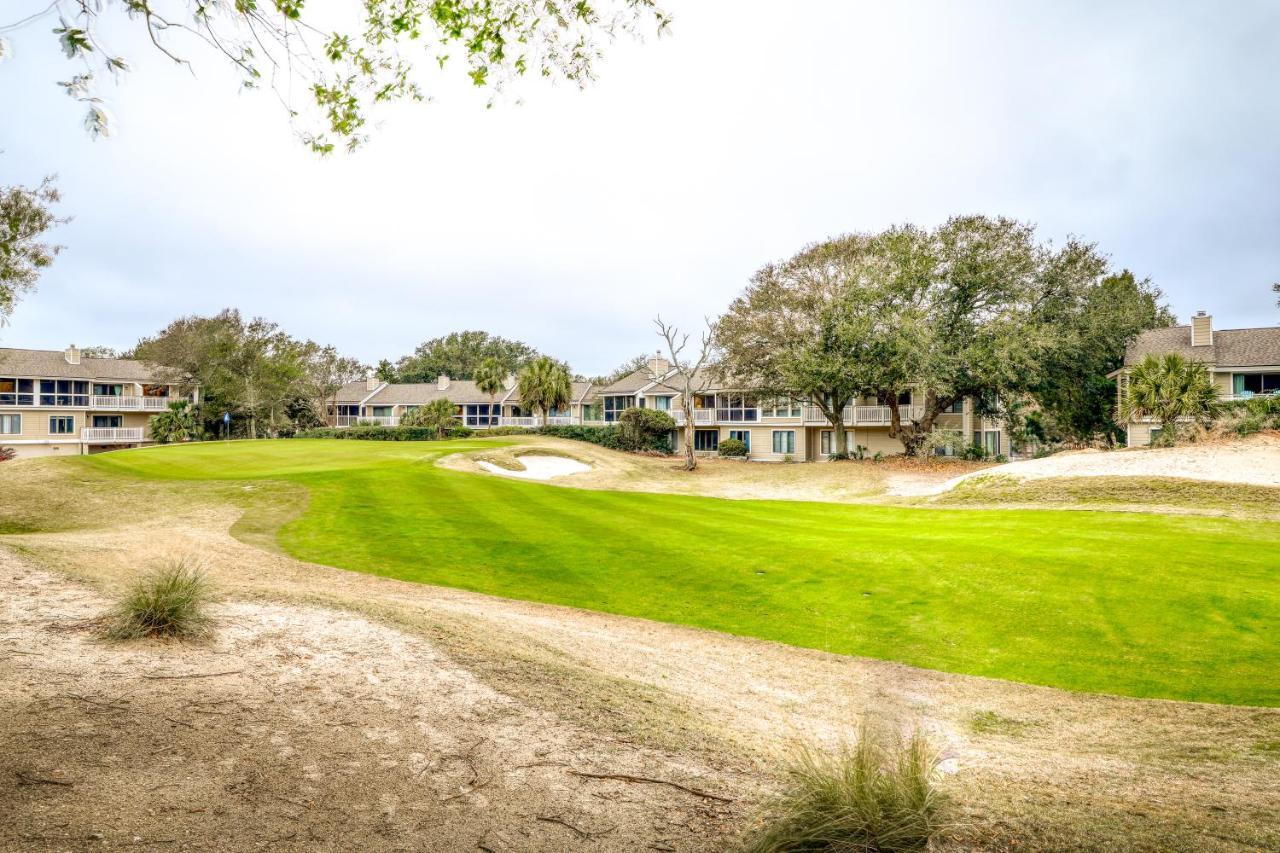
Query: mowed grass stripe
(1177,607)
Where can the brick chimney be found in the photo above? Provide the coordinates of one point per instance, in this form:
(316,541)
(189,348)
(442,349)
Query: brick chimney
(371,383)
(442,382)
(658,366)
(72,354)
(1201,330)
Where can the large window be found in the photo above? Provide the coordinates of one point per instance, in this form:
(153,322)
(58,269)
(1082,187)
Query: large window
(988,440)
(64,392)
(481,414)
(662,404)
(827,441)
(956,408)
(1245,384)
(736,407)
(17,392)
(10,424)
(100,390)
(706,439)
(781,408)
(615,406)
(784,441)
(743,435)
(62,425)
(108,421)
(592,412)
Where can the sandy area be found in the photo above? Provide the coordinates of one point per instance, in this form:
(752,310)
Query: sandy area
(334,706)
(1255,461)
(538,467)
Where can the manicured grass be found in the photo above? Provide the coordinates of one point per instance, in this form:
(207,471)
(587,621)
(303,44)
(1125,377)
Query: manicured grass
(1135,604)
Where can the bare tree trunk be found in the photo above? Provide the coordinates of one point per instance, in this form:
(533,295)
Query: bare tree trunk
(690,461)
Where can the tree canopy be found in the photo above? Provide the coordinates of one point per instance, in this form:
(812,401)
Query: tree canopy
(347,57)
(460,354)
(976,308)
(252,369)
(25,215)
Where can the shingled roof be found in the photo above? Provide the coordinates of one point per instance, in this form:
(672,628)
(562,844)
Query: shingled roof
(1258,347)
(53,364)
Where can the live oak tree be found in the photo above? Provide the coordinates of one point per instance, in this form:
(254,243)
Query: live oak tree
(25,215)
(459,355)
(348,56)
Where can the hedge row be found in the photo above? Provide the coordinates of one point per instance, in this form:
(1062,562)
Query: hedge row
(611,437)
(383,433)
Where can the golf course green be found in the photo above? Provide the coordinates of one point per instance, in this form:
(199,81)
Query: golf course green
(1177,607)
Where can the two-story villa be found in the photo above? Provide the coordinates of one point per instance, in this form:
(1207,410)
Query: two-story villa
(771,429)
(1243,362)
(55,401)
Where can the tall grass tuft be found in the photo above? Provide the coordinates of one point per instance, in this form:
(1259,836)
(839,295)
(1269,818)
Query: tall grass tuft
(169,602)
(878,796)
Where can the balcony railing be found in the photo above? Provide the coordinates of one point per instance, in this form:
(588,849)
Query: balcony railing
(520,422)
(365,420)
(109,435)
(130,404)
(864,415)
(561,420)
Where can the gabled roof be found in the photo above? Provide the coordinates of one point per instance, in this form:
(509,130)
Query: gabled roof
(353,392)
(418,393)
(53,364)
(1258,347)
(629,384)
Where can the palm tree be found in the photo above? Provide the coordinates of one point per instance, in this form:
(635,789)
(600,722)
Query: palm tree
(1167,389)
(490,378)
(544,384)
(176,423)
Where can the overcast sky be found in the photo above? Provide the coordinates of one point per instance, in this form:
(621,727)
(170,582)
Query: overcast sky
(571,220)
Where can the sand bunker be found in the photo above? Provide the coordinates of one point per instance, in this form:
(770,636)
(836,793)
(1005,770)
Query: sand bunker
(539,467)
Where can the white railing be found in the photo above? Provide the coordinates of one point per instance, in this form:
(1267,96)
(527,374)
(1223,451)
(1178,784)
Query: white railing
(108,434)
(561,420)
(130,404)
(520,422)
(1247,395)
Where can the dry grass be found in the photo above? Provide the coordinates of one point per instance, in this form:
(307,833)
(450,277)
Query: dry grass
(877,796)
(168,603)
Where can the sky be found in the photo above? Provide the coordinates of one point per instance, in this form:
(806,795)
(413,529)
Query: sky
(571,219)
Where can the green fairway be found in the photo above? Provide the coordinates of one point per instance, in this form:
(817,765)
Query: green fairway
(1178,607)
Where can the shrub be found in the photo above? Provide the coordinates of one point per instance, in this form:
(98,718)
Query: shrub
(179,422)
(507,430)
(1246,417)
(382,433)
(7,453)
(605,436)
(877,796)
(169,602)
(943,442)
(645,429)
(732,447)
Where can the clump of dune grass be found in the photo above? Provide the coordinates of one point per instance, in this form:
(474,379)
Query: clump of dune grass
(877,796)
(169,602)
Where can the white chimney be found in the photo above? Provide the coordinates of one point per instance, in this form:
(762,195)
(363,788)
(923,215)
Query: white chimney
(658,366)
(371,383)
(442,382)
(1201,330)
(72,354)
(509,382)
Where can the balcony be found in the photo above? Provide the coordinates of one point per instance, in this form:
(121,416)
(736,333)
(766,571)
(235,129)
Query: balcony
(131,404)
(521,422)
(365,420)
(111,435)
(700,416)
(864,415)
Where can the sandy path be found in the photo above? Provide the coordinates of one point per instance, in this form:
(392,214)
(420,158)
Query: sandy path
(301,728)
(1252,462)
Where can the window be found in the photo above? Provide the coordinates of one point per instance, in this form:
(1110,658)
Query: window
(107,390)
(992,442)
(17,392)
(743,435)
(62,425)
(480,414)
(1155,436)
(662,404)
(827,440)
(615,406)
(781,408)
(381,411)
(736,407)
(592,412)
(64,392)
(956,408)
(1247,384)
(784,441)
(706,439)
(108,421)
(10,424)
